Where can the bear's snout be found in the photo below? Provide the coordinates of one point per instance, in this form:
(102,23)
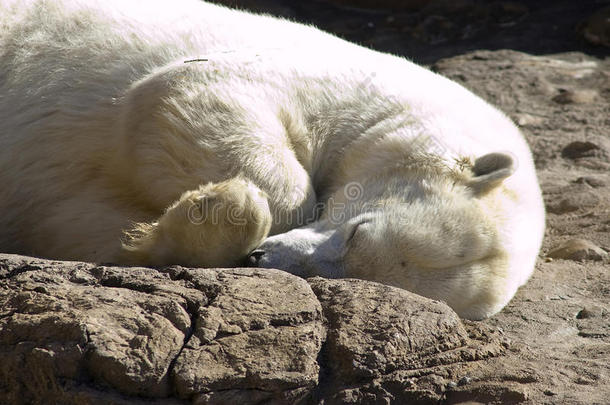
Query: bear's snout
(254,258)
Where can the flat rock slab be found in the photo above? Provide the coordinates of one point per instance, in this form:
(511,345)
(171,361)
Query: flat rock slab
(386,344)
(72,332)
(77,333)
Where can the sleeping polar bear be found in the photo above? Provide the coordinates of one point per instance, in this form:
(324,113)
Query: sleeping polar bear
(157,132)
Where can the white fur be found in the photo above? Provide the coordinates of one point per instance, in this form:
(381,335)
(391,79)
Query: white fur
(156,132)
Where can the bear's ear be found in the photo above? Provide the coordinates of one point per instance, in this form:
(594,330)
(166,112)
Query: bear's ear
(489,172)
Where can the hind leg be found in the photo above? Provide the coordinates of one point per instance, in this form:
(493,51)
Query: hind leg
(216,225)
(83,225)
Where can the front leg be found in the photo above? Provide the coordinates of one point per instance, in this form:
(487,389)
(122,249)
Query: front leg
(216,225)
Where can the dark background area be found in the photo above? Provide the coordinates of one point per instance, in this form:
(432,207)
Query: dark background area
(426,31)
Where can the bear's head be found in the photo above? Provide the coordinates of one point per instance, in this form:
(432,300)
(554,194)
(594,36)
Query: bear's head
(443,234)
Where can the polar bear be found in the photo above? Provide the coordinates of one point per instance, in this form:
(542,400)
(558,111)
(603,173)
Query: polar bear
(157,133)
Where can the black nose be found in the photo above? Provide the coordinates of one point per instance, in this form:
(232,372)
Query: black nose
(255,257)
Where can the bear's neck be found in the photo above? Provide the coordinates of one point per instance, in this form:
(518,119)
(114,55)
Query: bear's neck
(356,130)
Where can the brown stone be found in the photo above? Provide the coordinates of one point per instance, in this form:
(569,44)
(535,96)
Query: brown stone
(580,149)
(578,249)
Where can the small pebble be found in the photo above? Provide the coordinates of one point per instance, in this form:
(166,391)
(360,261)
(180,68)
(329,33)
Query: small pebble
(525,120)
(591,181)
(584,381)
(563,207)
(578,249)
(579,149)
(576,97)
(590,312)
(465,381)
(410,383)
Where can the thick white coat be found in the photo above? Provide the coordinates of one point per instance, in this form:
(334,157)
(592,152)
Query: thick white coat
(124,124)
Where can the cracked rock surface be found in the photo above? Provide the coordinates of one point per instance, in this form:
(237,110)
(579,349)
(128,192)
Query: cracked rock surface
(77,333)
(72,332)
(388,344)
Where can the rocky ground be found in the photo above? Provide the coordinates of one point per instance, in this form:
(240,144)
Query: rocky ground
(77,333)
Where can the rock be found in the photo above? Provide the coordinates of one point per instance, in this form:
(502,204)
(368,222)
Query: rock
(593,321)
(464,381)
(380,347)
(77,333)
(579,149)
(581,96)
(578,249)
(592,311)
(563,207)
(499,393)
(240,333)
(528,120)
(573,200)
(63,325)
(259,335)
(591,181)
